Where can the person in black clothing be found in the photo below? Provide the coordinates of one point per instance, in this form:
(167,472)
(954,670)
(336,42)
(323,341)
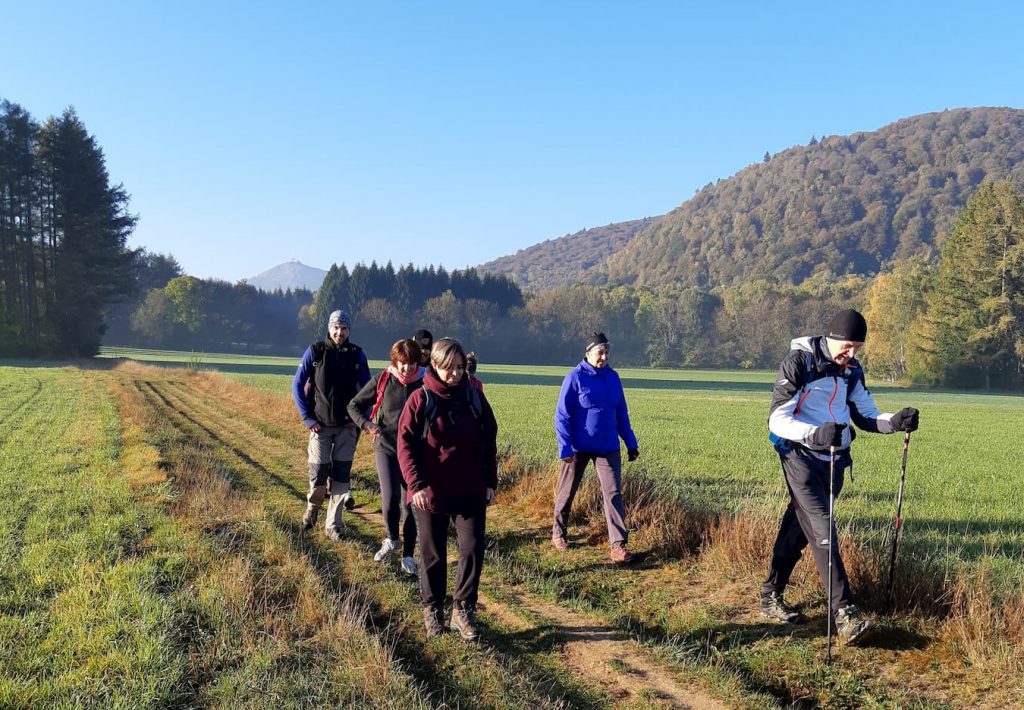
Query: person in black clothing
(376,410)
(425,339)
(819,391)
(330,374)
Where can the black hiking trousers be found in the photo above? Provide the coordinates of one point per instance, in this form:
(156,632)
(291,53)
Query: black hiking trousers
(806,519)
(433,539)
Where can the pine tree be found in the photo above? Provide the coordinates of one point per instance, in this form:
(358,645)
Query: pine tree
(978,303)
(85,226)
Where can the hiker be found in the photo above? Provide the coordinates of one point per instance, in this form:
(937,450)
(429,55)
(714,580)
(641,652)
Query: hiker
(330,374)
(819,391)
(447,447)
(590,418)
(376,410)
(471,371)
(425,339)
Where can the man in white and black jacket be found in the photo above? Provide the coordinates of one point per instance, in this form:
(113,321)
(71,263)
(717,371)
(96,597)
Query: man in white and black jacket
(819,391)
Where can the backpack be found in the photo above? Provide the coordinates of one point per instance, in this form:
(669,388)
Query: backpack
(430,412)
(382,383)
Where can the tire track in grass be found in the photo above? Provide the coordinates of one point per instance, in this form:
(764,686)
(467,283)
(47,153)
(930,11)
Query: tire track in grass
(606,657)
(325,559)
(9,422)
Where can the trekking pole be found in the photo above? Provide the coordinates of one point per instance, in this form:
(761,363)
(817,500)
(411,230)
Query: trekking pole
(897,523)
(831,534)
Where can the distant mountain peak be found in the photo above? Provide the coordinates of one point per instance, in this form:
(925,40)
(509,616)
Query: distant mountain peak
(292,274)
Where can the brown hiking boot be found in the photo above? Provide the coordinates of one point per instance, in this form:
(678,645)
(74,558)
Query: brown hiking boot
(620,555)
(560,543)
(464,621)
(433,621)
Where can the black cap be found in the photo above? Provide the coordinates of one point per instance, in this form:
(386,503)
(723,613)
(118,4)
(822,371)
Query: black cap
(424,338)
(595,340)
(848,325)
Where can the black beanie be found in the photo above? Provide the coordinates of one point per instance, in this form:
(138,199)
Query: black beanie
(848,325)
(594,340)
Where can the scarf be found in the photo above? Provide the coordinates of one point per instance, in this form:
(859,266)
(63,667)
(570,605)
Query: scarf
(405,380)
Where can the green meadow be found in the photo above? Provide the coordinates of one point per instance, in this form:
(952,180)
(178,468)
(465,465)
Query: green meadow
(704,434)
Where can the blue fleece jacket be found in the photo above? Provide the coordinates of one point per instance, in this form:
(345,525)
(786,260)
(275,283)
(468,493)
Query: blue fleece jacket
(591,413)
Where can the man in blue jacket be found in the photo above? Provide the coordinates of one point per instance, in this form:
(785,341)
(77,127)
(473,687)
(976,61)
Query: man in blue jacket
(332,371)
(590,418)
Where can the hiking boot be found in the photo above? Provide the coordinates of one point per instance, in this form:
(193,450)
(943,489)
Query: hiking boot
(409,566)
(309,518)
(851,627)
(620,555)
(349,501)
(333,534)
(773,607)
(464,621)
(433,621)
(560,543)
(387,546)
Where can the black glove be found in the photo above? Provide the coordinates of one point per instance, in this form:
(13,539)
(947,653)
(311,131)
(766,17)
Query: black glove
(905,419)
(633,454)
(828,434)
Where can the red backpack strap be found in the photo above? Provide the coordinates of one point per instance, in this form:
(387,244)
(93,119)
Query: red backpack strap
(382,383)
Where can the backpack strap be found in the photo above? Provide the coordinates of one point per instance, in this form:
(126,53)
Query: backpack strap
(382,383)
(429,411)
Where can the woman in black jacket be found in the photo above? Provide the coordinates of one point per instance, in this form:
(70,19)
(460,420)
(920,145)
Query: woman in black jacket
(375,410)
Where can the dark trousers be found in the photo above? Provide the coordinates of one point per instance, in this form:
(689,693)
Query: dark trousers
(609,474)
(469,533)
(806,519)
(394,506)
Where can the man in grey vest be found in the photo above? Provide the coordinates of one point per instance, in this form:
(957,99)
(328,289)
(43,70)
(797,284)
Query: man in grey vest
(332,371)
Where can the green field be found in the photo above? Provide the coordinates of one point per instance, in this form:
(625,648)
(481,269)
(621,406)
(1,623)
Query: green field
(151,546)
(704,433)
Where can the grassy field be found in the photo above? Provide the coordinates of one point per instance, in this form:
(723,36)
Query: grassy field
(173,570)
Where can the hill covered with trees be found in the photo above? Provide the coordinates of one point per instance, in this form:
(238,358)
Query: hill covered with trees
(566,260)
(841,205)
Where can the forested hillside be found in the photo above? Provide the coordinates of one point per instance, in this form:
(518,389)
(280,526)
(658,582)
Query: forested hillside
(842,205)
(566,260)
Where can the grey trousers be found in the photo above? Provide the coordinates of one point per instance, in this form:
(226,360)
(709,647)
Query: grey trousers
(806,521)
(609,474)
(330,452)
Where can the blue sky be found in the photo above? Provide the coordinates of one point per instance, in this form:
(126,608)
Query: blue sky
(249,133)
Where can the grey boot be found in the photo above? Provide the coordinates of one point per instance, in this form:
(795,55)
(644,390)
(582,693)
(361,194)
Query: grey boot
(314,500)
(335,509)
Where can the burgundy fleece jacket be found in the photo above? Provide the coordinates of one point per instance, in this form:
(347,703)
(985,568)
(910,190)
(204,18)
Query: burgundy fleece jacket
(457,461)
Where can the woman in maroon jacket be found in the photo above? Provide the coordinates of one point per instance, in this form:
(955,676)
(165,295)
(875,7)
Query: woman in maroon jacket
(447,449)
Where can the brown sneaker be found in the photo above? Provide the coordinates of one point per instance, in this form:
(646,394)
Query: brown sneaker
(464,621)
(620,555)
(433,621)
(560,543)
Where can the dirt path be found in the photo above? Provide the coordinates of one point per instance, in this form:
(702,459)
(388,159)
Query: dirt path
(605,656)
(588,651)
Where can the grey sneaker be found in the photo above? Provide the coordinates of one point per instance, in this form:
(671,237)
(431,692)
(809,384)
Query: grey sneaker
(464,621)
(409,566)
(851,627)
(333,534)
(433,621)
(773,607)
(387,546)
(309,518)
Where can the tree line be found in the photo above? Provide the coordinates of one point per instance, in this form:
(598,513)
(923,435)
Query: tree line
(63,231)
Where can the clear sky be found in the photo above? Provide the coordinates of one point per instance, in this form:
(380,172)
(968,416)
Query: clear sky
(249,133)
